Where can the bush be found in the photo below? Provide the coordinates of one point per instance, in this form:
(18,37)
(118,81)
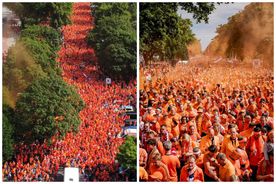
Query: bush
(42,33)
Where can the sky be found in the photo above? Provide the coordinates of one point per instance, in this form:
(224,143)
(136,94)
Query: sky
(205,32)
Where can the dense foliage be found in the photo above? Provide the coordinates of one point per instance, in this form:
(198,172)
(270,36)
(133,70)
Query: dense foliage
(127,155)
(43,33)
(164,33)
(114,38)
(8,132)
(57,14)
(48,106)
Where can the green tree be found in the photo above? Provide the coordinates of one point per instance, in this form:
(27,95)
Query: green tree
(57,14)
(127,155)
(8,133)
(60,14)
(47,107)
(42,53)
(43,33)
(200,11)
(164,33)
(114,39)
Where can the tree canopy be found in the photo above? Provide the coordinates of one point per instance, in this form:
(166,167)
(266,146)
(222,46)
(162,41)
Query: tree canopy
(43,33)
(8,132)
(57,14)
(127,155)
(48,106)
(114,38)
(164,33)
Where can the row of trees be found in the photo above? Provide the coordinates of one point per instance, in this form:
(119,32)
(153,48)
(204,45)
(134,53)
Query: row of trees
(56,14)
(164,33)
(114,38)
(37,103)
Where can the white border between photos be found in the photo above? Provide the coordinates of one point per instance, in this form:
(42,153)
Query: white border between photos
(138,73)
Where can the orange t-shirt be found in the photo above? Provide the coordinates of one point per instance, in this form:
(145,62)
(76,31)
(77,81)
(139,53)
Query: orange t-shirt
(258,145)
(227,171)
(160,148)
(206,142)
(143,175)
(175,131)
(163,169)
(265,170)
(228,148)
(172,162)
(198,174)
(143,155)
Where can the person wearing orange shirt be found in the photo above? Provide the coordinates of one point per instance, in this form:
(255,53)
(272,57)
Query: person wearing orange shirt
(198,156)
(175,128)
(143,156)
(165,120)
(171,161)
(174,115)
(210,164)
(157,176)
(240,120)
(218,129)
(165,135)
(143,175)
(176,148)
(186,145)
(254,149)
(247,133)
(244,161)
(206,124)
(155,126)
(193,134)
(151,150)
(158,166)
(230,144)
(208,140)
(191,172)
(266,170)
(226,169)
(144,134)
(198,119)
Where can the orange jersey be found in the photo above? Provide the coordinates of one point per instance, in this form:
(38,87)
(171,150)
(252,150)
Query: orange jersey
(172,162)
(227,171)
(143,175)
(198,175)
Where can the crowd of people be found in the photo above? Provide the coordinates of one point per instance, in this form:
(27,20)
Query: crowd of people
(211,123)
(94,147)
